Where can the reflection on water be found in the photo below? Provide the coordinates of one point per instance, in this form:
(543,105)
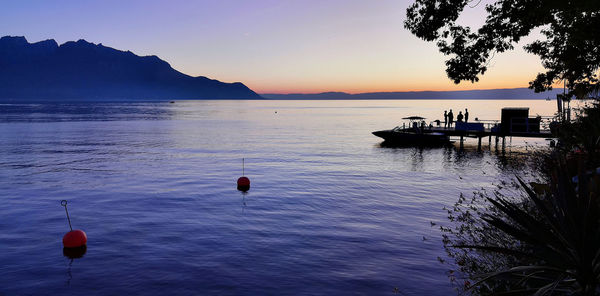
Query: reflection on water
(75,253)
(72,254)
(507,160)
(83,112)
(330,211)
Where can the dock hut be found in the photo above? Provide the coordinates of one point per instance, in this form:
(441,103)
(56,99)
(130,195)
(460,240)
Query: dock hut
(515,120)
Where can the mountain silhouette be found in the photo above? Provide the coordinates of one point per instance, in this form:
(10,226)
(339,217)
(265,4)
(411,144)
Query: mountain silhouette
(86,71)
(478,94)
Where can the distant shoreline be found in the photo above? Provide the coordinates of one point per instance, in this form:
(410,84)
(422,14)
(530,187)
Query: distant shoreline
(392,99)
(484,94)
(487,94)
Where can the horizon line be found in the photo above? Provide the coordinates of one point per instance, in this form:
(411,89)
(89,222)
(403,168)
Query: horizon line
(405,91)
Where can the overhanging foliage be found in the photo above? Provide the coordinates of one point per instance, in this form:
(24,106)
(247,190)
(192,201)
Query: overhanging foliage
(569,52)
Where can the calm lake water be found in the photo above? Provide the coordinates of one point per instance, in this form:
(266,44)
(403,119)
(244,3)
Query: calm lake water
(153,185)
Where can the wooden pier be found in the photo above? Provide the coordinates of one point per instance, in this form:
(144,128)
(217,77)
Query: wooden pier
(514,122)
(489,133)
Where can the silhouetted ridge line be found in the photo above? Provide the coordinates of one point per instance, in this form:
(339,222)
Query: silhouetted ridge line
(485,94)
(80,70)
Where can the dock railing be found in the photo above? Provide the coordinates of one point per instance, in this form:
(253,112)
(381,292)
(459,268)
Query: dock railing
(518,126)
(488,123)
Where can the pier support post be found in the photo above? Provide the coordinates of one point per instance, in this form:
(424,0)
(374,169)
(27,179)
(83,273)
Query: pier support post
(503,142)
(479,144)
(461,142)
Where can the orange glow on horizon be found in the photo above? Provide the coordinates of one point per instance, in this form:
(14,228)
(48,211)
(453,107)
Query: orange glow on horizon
(416,85)
(368,82)
(349,90)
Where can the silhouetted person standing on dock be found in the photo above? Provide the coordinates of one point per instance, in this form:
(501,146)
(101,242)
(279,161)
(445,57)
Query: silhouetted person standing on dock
(466,115)
(445,119)
(459,117)
(450,118)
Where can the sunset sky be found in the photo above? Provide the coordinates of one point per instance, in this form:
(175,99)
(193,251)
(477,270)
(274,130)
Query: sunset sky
(273,46)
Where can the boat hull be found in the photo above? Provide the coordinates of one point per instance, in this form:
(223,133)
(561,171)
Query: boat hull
(407,138)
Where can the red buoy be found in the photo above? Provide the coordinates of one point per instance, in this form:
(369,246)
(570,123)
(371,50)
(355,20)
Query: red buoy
(74,239)
(243,183)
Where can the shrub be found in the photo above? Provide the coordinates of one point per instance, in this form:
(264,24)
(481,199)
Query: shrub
(530,244)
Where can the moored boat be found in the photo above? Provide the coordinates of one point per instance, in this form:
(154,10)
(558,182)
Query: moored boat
(414,135)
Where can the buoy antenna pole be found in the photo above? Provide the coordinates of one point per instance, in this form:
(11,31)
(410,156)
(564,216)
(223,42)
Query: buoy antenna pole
(64,204)
(243,162)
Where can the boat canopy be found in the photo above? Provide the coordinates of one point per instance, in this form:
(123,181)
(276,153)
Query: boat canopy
(414,118)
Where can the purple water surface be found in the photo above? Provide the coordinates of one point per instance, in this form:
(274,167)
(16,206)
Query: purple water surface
(329,211)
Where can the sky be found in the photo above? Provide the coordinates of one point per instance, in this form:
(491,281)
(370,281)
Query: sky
(272,46)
